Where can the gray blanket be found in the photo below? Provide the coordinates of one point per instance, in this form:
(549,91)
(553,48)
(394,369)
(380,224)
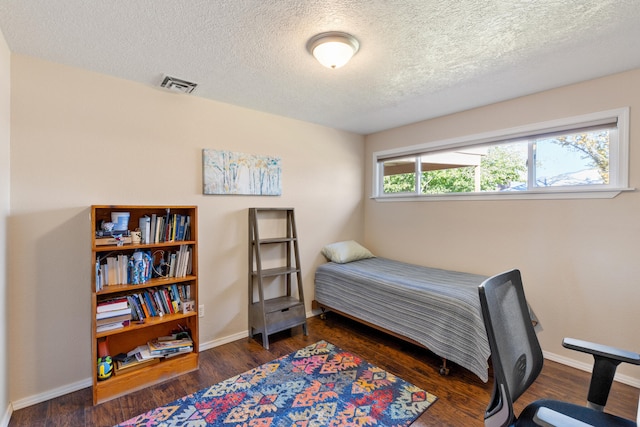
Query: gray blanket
(438,308)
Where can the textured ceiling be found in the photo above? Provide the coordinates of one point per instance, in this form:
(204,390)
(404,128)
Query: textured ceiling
(418,59)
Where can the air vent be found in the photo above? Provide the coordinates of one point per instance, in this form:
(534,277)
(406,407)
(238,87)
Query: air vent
(177,85)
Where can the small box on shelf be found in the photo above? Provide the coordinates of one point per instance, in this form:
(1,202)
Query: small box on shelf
(188,306)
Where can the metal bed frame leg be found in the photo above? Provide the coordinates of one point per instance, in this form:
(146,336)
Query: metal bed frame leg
(323,315)
(444,371)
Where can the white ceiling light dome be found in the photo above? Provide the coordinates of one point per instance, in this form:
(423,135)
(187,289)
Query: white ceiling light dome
(333,49)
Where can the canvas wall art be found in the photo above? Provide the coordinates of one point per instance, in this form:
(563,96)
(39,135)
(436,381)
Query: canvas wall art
(228,172)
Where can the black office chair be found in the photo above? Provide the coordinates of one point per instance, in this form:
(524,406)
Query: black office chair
(517,360)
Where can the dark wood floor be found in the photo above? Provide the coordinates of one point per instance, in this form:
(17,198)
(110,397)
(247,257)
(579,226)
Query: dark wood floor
(462,397)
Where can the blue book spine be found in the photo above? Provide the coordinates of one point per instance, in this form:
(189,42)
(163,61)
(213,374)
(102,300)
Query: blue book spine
(150,304)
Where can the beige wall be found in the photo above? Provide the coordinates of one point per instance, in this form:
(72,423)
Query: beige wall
(579,258)
(5,102)
(80,138)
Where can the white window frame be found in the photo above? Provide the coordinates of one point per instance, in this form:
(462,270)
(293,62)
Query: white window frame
(618,161)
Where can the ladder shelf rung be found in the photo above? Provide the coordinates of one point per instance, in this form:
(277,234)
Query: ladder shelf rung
(275,240)
(278,271)
(280,304)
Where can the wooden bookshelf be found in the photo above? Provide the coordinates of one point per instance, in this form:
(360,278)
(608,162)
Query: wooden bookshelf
(137,333)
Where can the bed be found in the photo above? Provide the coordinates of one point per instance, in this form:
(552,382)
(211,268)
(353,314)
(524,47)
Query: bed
(437,309)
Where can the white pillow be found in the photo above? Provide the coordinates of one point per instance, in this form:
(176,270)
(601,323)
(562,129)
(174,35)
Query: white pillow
(347,251)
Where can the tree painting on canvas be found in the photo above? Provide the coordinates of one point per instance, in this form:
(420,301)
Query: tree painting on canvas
(227,172)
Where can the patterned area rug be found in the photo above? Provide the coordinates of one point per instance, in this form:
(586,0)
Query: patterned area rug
(319,385)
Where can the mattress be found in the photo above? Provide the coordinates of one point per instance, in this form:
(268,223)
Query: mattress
(439,309)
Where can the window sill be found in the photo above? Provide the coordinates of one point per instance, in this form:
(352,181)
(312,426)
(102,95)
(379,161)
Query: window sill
(564,193)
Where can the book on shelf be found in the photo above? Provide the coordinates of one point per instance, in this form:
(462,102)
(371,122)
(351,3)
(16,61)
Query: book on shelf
(112,304)
(158,229)
(112,233)
(164,354)
(112,326)
(136,309)
(145,229)
(184,350)
(115,319)
(143,352)
(152,228)
(105,241)
(113,313)
(153,310)
(131,363)
(166,346)
(171,351)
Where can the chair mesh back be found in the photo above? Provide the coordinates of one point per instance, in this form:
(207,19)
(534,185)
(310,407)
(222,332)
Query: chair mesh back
(515,352)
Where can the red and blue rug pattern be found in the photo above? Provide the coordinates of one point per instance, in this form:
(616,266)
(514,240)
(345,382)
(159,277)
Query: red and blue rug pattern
(319,385)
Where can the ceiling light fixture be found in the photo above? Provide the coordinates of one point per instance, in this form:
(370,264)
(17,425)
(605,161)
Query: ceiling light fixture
(333,49)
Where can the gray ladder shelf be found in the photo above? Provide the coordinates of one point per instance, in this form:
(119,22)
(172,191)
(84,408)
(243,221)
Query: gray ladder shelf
(268,315)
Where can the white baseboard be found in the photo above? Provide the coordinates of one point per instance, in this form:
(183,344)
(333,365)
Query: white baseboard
(225,340)
(7,416)
(79,385)
(587,367)
(51,394)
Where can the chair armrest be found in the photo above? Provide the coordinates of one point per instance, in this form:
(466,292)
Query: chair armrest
(602,351)
(546,417)
(606,360)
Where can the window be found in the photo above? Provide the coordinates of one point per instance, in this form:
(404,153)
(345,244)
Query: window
(585,156)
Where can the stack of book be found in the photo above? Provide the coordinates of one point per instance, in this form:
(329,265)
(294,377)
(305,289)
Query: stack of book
(170,346)
(125,363)
(162,347)
(112,314)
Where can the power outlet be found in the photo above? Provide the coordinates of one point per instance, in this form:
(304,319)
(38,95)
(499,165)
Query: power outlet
(201,310)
